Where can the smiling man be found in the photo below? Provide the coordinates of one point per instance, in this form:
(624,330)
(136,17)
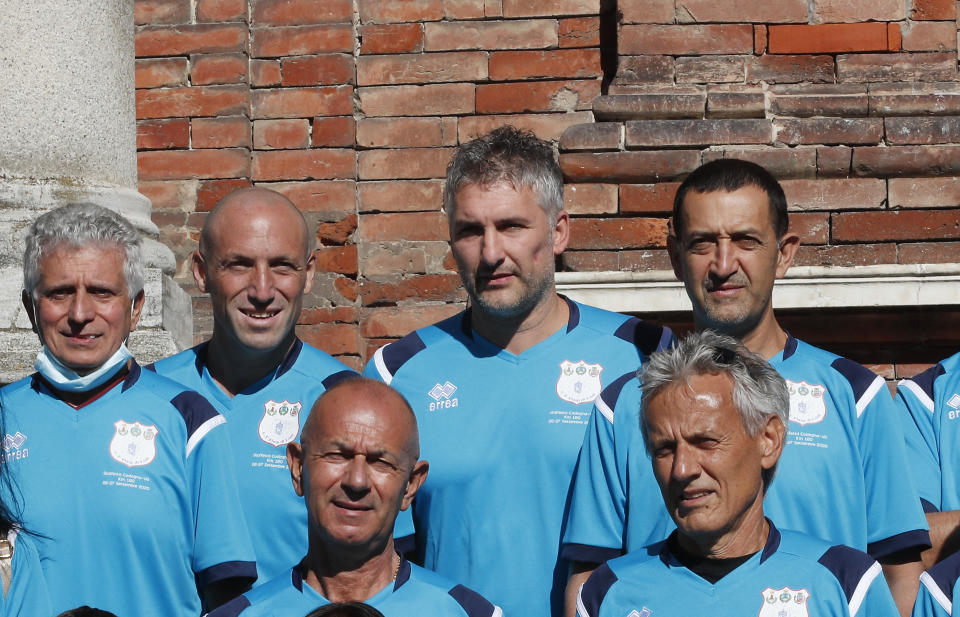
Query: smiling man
(841,476)
(714,423)
(356,466)
(256,261)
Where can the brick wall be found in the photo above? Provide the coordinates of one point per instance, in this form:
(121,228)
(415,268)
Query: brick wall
(352,108)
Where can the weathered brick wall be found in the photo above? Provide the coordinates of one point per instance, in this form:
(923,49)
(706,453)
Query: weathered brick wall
(352,108)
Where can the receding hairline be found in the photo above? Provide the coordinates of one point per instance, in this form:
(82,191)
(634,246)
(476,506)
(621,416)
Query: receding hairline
(250,197)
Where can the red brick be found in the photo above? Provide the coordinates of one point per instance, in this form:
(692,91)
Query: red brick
(834,161)
(399,195)
(163,134)
(336,314)
(387,259)
(860,227)
(781,162)
(576,63)
(334,132)
(579,32)
(648,197)
(409,163)
(212,191)
(348,288)
(548,8)
(790,69)
(218,69)
(680,133)
(859,10)
(591,261)
(679,104)
(165,195)
(337,232)
(412,226)
(875,161)
(924,192)
(529,96)
(470,9)
(422,68)
(317,70)
(812,227)
(303,164)
(195,101)
(190,39)
(934,9)
(643,71)
(302,102)
(161,12)
(177,164)
(846,256)
(281,134)
(513,34)
(737,102)
(929,253)
(827,38)
(397,322)
(592,137)
(321,196)
(931,36)
(300,40)
(835,194)
(620,233)
(391,38)
(894,37)
(265,73)
(914,99)
(390,11)
(161,73)
(795,131)
(301,12)
(545,126)
(923,130)
(590,198)
(710,69)
(740,11)
(229,132)
(622,167)
(759,39)
(221,10)
(686,40)
(647,11)
(804,100)
(334,338)
(399,132)
(426,288)
(426,100)
(340,259)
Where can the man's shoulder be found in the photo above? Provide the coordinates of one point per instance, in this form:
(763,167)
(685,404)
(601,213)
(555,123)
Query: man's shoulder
(444,338)
(819,366)
(461,599)
(19,387)
(180,366)
(645,336)
(315,364)
(848,566)
(941,579)
(254,602)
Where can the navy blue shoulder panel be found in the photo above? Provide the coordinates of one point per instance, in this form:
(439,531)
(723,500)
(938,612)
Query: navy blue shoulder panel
(232,608)
(291,357)
(925,379)
(646,337)
(790,348)
(151,367)
(574,319)
(848,565)
(595,589)
(472,602)
(611,393)
(397,353)
(335,378)
(132,376)
(928,508)
(403,572)
(859,376)
(194,408)
(945,574)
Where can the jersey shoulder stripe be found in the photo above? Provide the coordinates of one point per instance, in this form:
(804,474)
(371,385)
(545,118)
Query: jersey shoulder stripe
(594,591)
(233,608)
(922,385)
(607,401)
(473,604)
(389,358)
(851,568)
(864,382)
(646,337)
(941,579)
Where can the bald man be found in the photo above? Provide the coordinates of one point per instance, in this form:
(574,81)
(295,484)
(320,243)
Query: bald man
(357,466)
(256,261)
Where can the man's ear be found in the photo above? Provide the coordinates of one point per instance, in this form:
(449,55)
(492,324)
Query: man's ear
(295,463)
(28,307)
(771,439)
(561,232)
(789,244)
(135,309)
(199,267)
(311,271)
(674,250)
(417,476)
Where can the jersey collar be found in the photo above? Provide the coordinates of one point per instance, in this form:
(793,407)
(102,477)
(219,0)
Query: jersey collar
(572,321)
(769,548)
(403,574)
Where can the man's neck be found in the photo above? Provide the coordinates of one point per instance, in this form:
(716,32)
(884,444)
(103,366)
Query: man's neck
(749,536)
(766,339)
(234,368)
(520,334)
(342,578)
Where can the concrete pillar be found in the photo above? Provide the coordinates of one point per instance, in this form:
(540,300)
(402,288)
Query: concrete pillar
(68,133)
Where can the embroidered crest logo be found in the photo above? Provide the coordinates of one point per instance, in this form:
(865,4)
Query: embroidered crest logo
(280,423)
(579,382)
(134,444)
(784,602)
(807,402)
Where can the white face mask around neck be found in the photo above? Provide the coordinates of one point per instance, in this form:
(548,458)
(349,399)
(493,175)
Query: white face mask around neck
(66,379)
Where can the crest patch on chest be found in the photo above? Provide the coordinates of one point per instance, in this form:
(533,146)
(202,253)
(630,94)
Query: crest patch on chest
(807,402)
(134,444)
(280,423)
(579,382)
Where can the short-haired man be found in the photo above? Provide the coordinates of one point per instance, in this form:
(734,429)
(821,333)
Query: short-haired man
(120,469)
(714,423)
(256,261)
(503,390)
(356,466)
(841,477)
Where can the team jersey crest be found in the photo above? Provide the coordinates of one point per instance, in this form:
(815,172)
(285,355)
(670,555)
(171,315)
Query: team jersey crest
(579,382)
(807,402)
(134,444)
(784,602)
(280,423)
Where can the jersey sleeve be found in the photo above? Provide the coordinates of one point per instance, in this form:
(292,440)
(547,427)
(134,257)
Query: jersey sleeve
(872,598)
(931,600)
(27,596)
(916,411)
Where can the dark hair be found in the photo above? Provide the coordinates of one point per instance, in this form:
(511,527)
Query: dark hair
(345,609)
(729,175)
(86,611)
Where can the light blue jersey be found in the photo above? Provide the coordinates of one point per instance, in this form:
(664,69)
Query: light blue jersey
(795,575)
(415,592)
(27,596)
(261,421)
(938,587)
(129,493)
(840,477)
(930,410)
(501,433)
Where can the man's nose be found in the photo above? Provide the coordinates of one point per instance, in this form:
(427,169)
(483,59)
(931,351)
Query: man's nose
(492,251)
(261,287)
(81,307)
(685,464)
(355,477)
(725,262)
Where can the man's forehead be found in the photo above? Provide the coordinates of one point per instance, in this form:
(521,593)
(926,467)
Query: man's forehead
(747,208)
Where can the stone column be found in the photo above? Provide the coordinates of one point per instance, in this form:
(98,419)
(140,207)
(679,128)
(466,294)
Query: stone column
(68,133)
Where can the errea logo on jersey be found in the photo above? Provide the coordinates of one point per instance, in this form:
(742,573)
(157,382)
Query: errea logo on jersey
(12,446)
(954,404)
(441,396)
(644,612)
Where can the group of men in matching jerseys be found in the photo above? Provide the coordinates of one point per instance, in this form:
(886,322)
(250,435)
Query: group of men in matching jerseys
(527,405)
